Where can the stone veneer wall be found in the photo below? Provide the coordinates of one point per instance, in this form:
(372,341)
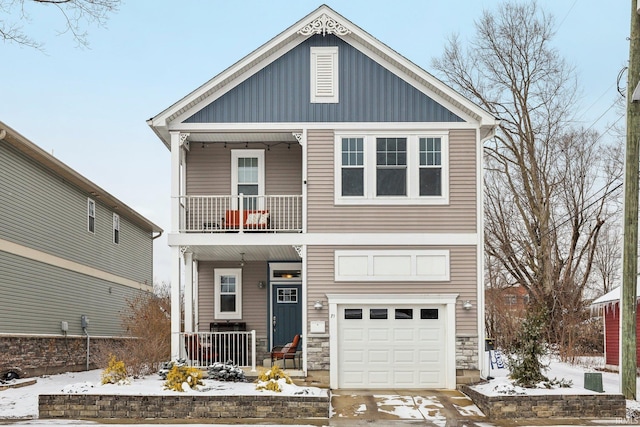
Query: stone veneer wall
(549,405)
(88,406)
(467,352)
(318,353)
(45,355)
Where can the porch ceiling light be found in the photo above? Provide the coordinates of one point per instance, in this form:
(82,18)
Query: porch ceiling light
(241,259)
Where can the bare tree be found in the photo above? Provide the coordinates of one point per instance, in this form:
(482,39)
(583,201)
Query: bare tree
(75,14)
(548,185)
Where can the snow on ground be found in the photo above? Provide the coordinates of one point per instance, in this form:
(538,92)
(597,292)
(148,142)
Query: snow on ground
(22,402)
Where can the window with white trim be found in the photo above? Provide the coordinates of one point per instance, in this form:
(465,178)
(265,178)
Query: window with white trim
(91,216)
(116,228)
(324,74)
(390,169)
(228,293)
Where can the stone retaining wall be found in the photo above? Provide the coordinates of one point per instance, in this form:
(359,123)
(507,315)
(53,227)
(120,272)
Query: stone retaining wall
(549,405)
(88,406)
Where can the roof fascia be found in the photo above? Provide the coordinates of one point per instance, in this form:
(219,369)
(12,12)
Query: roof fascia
(40,156)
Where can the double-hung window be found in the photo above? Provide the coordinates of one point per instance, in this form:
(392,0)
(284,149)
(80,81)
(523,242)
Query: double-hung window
(91,216)
(116,228)
(384,168)
(228,293)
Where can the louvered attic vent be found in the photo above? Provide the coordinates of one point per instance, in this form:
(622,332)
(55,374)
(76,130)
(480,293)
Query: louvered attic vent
(324,74)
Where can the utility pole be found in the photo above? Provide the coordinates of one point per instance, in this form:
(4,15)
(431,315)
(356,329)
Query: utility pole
(630,251)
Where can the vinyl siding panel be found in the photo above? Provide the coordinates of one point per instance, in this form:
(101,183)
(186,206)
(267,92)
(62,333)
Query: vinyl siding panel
(254,299)
(280,92)
(38,296)
(209,168)
(39,210)
(460,216)
(320,276)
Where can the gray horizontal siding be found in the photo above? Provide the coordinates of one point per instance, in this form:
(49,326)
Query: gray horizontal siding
(37,297)
(320,277)
(460,216)
(280,92)
(39,210)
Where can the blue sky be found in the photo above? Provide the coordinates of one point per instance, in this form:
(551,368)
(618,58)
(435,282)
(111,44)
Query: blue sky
(89,106)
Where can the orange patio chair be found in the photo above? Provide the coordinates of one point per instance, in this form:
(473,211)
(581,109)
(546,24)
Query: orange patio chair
(286,352)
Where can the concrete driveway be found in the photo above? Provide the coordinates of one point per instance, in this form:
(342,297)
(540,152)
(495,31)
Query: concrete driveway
(404,407)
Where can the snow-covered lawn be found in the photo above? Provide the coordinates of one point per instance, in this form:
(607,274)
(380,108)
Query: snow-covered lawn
(23,402)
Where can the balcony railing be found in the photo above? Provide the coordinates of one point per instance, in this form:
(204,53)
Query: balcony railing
(206,348)
(221,214)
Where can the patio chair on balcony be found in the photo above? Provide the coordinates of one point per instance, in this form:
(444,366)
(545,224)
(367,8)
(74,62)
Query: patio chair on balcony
(286,352)
(252,220)
(202,353)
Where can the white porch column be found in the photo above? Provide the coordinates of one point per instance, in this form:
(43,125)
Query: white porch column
(188,291)
(175,302)
(175,181)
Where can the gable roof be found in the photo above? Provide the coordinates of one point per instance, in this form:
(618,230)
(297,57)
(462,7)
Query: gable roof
(37,154)
(323,20)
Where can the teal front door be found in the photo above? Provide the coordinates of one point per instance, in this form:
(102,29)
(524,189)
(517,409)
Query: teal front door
(286,318)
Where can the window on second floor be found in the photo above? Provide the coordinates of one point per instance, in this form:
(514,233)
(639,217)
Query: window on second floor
(91,216)
(393,169)
(116,228)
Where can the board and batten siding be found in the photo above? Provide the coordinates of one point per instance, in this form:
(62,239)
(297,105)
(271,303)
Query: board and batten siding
(320,281)
(209,168)
(40,210)
(460,216)
(254,299)
(280,93)
(38,296)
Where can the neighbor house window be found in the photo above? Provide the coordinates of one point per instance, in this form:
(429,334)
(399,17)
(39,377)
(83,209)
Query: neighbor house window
(116,228)
(91,216)
(391,169)
(228,293)
(324,74)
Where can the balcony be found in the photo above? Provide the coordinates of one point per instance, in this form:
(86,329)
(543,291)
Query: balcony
(240,214)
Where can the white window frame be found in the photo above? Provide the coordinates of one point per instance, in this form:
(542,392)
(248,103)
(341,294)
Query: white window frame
(413,170)
(327,75)
(91,214)
(116,228)
(227,315)
(237,154)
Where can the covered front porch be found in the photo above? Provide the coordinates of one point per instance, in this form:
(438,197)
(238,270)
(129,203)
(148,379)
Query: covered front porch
(240,301)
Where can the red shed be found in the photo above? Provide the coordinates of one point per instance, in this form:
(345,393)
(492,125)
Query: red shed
(609,305)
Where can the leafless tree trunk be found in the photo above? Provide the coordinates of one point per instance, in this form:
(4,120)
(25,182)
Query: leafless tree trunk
(548,185)
(75,14)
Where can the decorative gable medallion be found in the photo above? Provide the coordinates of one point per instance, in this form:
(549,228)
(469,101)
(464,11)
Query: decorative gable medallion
(324,25)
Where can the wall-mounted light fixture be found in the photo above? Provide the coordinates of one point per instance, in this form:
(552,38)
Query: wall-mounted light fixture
(467,305)
(261,284)
(318,305)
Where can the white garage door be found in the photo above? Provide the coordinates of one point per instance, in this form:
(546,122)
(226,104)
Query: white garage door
(391,346)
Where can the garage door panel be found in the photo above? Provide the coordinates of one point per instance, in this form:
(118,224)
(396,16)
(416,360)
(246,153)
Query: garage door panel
(404,356)
(354,334)
(379,356)
(354,356)
(378,377)
(379,335)
(404,378)
(404,335)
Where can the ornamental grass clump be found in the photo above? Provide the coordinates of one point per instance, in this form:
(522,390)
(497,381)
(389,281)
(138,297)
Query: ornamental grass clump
(273,379)
(115,372)
(183,378)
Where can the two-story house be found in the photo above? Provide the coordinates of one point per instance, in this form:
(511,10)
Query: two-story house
(326,186)
(71,255)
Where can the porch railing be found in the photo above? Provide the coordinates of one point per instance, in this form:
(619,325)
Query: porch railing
(205,348)
(221,214)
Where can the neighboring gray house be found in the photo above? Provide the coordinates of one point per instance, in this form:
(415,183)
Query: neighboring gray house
(67,249)
(326,186)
